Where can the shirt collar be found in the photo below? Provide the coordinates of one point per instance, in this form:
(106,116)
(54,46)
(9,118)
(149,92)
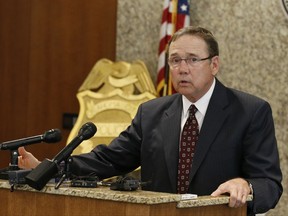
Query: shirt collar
(201,104)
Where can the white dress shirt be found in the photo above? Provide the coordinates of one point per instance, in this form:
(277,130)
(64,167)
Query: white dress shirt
(201,105)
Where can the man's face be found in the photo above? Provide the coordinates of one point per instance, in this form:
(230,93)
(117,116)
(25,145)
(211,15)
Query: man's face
(192,80)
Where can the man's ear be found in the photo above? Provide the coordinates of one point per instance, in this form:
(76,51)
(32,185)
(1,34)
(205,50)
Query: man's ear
(215,65)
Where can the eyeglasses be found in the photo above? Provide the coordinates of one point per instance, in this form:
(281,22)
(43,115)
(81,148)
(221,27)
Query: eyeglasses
(175,62)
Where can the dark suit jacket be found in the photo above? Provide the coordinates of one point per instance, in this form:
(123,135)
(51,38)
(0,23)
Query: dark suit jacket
(237,139)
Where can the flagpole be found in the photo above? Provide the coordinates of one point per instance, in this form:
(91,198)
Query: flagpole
(166,73)
(167,87)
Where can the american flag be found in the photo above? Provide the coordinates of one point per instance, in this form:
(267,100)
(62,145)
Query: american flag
(175,16)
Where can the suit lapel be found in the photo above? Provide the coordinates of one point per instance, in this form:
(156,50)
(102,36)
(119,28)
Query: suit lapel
(171,130)
(213,121)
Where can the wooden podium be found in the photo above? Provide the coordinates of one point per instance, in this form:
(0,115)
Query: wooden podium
(103,201)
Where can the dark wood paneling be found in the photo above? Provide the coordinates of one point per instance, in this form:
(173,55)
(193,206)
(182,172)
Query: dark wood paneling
(48,47)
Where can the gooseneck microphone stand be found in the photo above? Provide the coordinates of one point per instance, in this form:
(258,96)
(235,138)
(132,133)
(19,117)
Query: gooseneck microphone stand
(12,172)
(13,165)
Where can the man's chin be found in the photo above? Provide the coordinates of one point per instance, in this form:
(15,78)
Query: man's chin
(184,90)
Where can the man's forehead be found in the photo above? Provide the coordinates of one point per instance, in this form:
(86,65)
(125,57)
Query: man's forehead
(187,54)
(190,45)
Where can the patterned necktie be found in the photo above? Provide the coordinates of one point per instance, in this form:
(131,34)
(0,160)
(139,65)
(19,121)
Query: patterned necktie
(187,146)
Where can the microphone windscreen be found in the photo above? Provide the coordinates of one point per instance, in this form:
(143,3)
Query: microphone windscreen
(87,130)
(51,136)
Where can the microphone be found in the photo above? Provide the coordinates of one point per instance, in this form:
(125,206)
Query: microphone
(86,132)
(51,136)
(39,177)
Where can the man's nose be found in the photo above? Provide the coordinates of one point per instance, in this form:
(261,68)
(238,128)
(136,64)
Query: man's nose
(183,65)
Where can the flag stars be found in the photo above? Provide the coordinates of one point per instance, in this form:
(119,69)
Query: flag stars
(184,7)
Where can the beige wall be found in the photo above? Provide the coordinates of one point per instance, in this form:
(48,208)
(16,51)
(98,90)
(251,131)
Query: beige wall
(253,39)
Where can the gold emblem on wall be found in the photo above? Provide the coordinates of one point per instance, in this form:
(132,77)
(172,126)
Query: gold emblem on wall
(109,97)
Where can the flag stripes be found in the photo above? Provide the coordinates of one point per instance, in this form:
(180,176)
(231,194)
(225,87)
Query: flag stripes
(175,15)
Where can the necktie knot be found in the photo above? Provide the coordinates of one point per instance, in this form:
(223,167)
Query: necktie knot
(192,110)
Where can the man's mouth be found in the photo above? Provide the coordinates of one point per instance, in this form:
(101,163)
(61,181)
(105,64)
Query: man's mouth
(183,81)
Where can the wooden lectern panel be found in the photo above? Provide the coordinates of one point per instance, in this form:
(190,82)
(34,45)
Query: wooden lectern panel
(21,202)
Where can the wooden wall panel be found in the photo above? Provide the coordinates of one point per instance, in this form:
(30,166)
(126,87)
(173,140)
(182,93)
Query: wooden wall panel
(47,48)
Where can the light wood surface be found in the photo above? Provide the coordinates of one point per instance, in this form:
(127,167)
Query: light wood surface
(74,203)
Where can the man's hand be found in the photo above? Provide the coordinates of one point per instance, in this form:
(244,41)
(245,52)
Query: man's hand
(26,160)
(238,189)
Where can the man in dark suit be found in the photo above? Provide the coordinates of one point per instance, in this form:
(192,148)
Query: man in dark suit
(236,149)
